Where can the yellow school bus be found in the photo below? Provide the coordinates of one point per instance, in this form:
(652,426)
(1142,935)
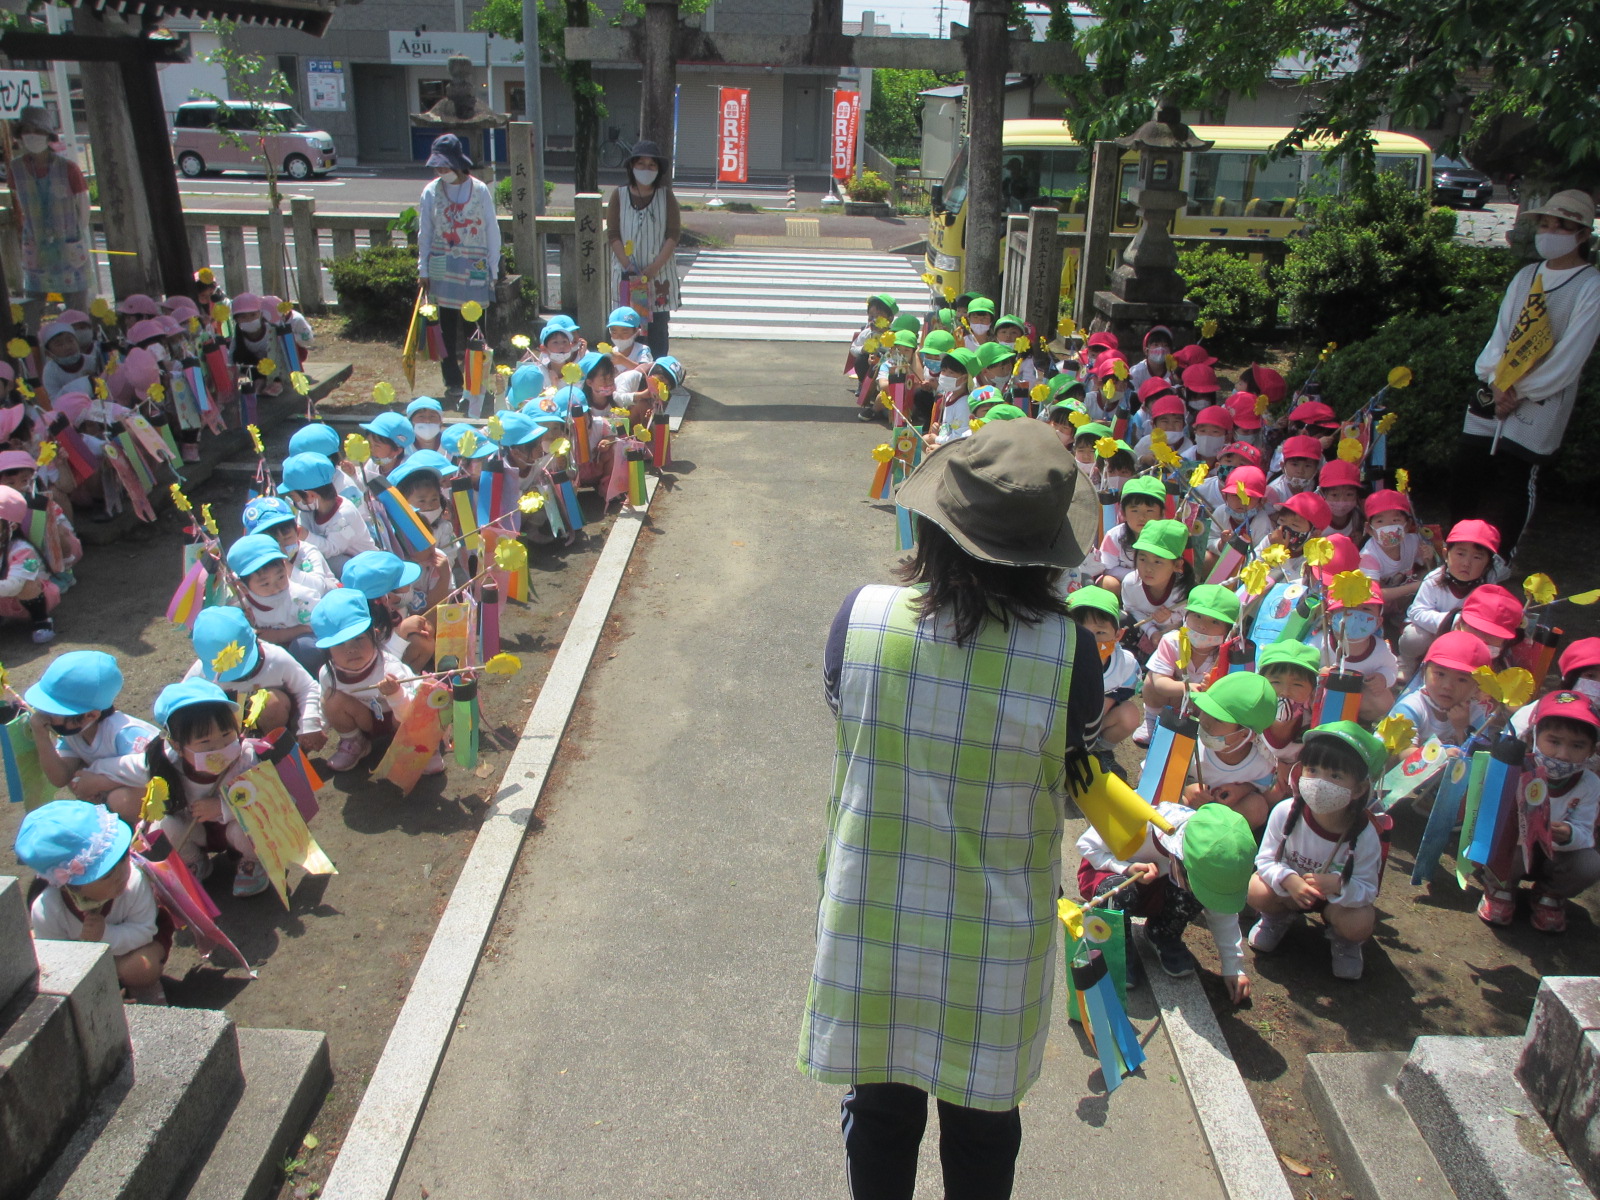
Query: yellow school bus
(1233,190)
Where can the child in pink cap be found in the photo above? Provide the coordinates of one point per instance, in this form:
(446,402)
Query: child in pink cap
(1340,485)
(1471,560)
(1298,461)
(1354,642)
(1166,414)
(1445,706)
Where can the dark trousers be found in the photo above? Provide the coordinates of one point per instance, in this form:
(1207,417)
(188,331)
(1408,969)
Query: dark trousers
(1498,488)
(655,334)
(883,1126)
(453,331)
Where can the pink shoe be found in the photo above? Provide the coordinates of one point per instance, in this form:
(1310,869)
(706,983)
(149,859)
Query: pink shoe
(1549,913)
(352,749)
(1498,907)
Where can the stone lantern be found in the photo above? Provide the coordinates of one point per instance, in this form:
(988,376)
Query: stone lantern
(1146,288)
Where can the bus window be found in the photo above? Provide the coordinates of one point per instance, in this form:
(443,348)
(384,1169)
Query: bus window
(955,183)
(1407,166)
(1127,214)
(1274,185)
(1039,178)
(1218,184)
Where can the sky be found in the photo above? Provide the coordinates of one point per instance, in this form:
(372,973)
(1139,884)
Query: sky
(909,16)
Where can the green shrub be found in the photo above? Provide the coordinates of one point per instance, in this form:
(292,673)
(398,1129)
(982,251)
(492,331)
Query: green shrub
(502,192)
(1230,290)
(376,287)
(867,186)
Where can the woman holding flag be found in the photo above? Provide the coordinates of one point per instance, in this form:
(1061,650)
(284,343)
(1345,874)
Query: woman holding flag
(1530,367)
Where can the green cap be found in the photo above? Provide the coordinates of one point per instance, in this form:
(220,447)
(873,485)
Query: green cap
(1004,412)
(1142,485)
(1169,539)
(906,321)
(1096,598)
(1358,739)
(1219,856)
(1211,599)
(947,317)
(1242,697)
(1093,428)
(992,354)
(1296,654)
(906,337)
(938,342)
(1063,381)
(887,301)
(980,304)
(965,359)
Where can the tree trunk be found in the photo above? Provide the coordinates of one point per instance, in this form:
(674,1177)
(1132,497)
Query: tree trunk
(659,78)
(585,109)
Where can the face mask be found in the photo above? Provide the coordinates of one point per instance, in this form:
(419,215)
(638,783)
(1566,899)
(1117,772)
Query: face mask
(1588,687)
(250,324)
(931,365)
(978,327)
(1202,641)
(1389,536)
(1555,244)
(1555,769)
(302,506)
(1209,444)
(1113,483)
(71,362)
(645,176)
(1214,741)
(558,356)
(38,143)
(1294,541)
(1324,796)
(85,340)
(623,345)
(1156,354)
(214,762)
(1106,649)
(1356,625)
(1341,508)
(948,384)
(1300,485)
(603,391)
(430,515)
(428,430)
(1288,710)
(159,353)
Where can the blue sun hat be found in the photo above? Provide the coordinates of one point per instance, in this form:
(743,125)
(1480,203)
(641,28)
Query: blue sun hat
(306,472)
(339,616)
(217,628)
(560,323)
(672,367)
(423,404)
(249,554)
(393,426)
(77,682)
(266,512)
(570,399)
(527,381)
(185,694)
(70,843)
(423,460)
(450,441)
(315,438)
(376,573)
(518,429)
(590,361)
(626,317)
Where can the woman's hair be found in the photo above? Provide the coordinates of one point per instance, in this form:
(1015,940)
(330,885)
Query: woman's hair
(975,591)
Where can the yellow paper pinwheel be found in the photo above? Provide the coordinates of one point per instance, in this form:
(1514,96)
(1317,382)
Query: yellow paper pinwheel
(975,424)
(221,311)
(1400,377)
(1077,419)
(1275,555)
(1350,449)
(495,428)
(531,502)
(1071,916)
(226,659)
(1105,447)
(1165,454)
(1039,393)
(467,444)
(17,348)
(100,309)
(1208,327)
(472,311)
(1540,588)
(572,373)
(560,446)
(428,312)
(880,322)
(882,452)
(179,500)
(1351,588)
(1185,649)
(157,393)
(101,391)
(1262,404)
(255,439)
(209,521)
(1318,552)
(255,707)
(1511,688)
(267,366)
(47,454)
(1254,577)
(1066,327)
(511,555)
(605,348)
(1198,475)
(1397,733)
(503,664)
(927,278)
(383,393)
(1386,423)
(153,808)
(357,449)
(520,341)
(1402,480)
(503,369)
(949,292)
(870,346)
(206,276)
(1023,344)
(1119,369)
(1585,598)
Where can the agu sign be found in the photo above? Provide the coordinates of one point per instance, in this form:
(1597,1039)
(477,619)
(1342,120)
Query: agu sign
(733,135)
(846,112)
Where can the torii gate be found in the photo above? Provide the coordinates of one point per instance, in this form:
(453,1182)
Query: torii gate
(986,53)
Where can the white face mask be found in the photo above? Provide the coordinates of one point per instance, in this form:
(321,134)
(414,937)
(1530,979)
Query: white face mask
(1341,508)
(1209,444)
(427,430)
(978,327)
(214,762)
(430,515)
(1555,769)
(35,143)
(1300,485)
(1389,536)
(558,356)
(645,176)
(623,345)
(1557,243)
(1202,641)
(1215,741)
(1156,354)
(1324,796)
(1588,687)
(947,384)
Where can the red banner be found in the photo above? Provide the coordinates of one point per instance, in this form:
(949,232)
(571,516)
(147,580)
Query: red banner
(846,114)
(733,135)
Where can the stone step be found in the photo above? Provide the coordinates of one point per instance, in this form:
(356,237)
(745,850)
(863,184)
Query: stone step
(85,975)
(1483,1128)
(286,1075)
(17,964)
(1381,1154)
(44,1091)
(148,1127)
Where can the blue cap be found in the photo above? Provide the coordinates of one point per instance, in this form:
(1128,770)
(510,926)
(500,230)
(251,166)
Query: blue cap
(570,398)
(518,429)
(217,628)
(71,842)
(560,323)
(423,404)
(376,573)
(450,442)
(306,472)
(78,681)
(339,616)
(249,554)
(315,438)
(527,381)
(423,460)
(672,367)
(590,361)
(547,421)
(265,512)
(187,693)
(393,426)
(628,317)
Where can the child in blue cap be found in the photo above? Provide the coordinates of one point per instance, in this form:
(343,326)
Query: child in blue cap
(273,517)
(363,681)
(93,892)
(330,522)
(223,635)
(527,383)
(318,438)
(421,480)
(79,732)
(389,584)
(627,350)
(427,422)
(559,344)
(391,438)
(279,607)
(599,380)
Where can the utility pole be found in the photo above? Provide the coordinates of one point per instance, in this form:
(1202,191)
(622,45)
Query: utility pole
(533,97)
(987,53)
(660,75)
(941,20)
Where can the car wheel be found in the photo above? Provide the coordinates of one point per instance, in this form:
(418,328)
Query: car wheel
(1479,204)
(297,166)
(191,164)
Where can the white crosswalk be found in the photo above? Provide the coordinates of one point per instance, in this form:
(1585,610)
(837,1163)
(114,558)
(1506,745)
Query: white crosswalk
(791,296)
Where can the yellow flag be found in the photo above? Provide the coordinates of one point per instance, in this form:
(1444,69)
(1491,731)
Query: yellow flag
(1531,338)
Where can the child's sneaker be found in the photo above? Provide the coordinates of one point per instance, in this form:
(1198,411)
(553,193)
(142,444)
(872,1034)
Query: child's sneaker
(1497,907)
(352,749)
(1347,961)
(1175,959)
(1549,913)
(251,878)
(1141,737)
(44,631)
(435,765)
(1268,932)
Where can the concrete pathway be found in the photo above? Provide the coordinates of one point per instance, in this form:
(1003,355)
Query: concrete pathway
(633,1029)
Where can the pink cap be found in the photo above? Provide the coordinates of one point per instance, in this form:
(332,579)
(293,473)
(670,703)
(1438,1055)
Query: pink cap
(74,404)
(10,418)
(1250,454)
(73,317)
(1312,507)
(1459,651)
(246,302)
(1150,389)
(138,305)
(1201,378)
(139,371)
(16,460)
(269,306)
(143,331)
(1243,407)
(1339,473)
(7,371)
(1493,610)
(1269,383)
(1301,446)
(1375,596)
(1480,533)
(182,308)
(13,507)
(1345,558)
(1215,415)
(1167,406)
(1580,656)
(1573,706)
(1152,331)
(1254,480)
(1388,500)
(1106,365)
(1192,354)
(1313,412)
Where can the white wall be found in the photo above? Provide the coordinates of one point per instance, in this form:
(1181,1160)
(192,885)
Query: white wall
(181,82)
(941,130)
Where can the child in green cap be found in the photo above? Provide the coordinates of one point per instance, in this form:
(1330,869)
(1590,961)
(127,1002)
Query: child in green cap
(979,321)
(1322,851)
(1143,499)
(1292,669)
(995,360)
(1209,612)
(862,362)
(1153,594)
(1110,474)
(1202,868)
(1080,439)
(1099,613)
(1232,764)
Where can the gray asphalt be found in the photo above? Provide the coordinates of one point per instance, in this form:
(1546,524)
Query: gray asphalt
(632,1030)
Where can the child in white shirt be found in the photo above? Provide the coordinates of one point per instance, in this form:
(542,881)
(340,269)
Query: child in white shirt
(331,523)
(231,655)
(1355,645)
(77,729)
(1232,765)
(1470,551)
(274,517)
(1099,613)
(1444,706)
(279,607)
(363,682)
(1143,500)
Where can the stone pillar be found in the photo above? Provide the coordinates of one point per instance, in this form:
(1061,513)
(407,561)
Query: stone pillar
(1105,183)
(593,265)
(525,186)
(987,55)
(1041,280)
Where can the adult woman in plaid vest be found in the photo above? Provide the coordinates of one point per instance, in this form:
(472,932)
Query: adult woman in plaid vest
(958,698)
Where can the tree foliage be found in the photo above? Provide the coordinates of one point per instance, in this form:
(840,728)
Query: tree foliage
(894,122)
(1404,60)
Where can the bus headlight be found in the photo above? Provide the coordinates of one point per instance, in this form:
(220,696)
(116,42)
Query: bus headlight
(945,262)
